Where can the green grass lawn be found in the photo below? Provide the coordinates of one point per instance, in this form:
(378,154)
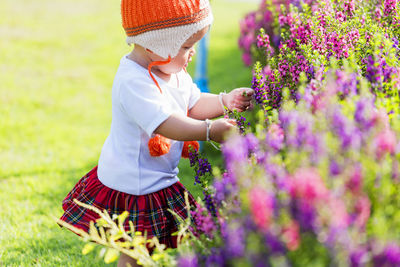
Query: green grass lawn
(57,62)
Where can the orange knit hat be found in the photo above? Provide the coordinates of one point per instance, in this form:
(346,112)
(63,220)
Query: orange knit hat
(164,25)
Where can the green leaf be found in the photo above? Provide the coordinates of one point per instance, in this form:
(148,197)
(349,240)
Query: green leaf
(111,255)
(175,234)
(88,248)
(102,252)
(122,217)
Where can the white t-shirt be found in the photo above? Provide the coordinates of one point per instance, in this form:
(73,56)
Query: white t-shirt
(138,108)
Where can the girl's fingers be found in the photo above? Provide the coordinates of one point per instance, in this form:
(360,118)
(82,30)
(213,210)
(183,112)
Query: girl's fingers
(241,105)
(231,121)
(245,103)
(247,92)
(246,97)
(250,92)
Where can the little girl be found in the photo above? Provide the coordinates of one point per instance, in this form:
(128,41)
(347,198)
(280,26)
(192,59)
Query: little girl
(155,107)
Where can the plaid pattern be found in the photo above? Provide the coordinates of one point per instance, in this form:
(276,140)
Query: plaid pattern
(149,213)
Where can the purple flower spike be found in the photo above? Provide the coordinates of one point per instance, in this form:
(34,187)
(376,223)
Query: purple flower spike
(358,257)
(188,261)
(389,7)
(334,168)
(274,244)
(234,240)
(390,256)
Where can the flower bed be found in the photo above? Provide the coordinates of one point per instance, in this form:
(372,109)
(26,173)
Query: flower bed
(315,179)
(323,35)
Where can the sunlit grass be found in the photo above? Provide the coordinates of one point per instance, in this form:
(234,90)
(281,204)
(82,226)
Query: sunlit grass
(57,63)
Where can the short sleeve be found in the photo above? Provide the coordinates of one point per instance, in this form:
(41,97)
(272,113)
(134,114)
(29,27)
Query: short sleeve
(194,96)
(144,104)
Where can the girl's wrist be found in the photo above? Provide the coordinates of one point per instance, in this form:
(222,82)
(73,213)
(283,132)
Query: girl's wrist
(208,129)
(208,134)
(222,101)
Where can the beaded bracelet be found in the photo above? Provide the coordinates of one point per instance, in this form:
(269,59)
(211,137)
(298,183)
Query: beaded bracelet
(208,123)
(208,139)
(224,108)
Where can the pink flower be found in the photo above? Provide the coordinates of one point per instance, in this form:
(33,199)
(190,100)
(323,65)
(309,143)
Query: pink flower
(282,20)
(355,182)
(385,143)
(381,117)
(378,14)
(203,221)
(283,68)
(307,184)
(249,22)
(246,41)
(276,131)
(363,210)
(275,136)
(261,207)
(349,6)
(338,213)
(322,20)
(363,20)
(291,236)
(340,16)
(389,7)
(246,59)
(263,40)
(353,37)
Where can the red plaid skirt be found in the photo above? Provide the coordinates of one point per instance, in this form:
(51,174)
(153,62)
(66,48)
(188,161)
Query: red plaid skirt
(149,213)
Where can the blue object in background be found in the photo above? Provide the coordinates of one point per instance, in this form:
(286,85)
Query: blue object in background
(201,77)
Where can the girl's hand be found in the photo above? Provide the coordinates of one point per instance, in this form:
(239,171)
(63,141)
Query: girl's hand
(238,99)
(220,127)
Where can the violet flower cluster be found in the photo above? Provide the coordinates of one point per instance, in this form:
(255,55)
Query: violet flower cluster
(241,122)
(250,39)
(203,171)
(322,34)
(318,181)
(313,185)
